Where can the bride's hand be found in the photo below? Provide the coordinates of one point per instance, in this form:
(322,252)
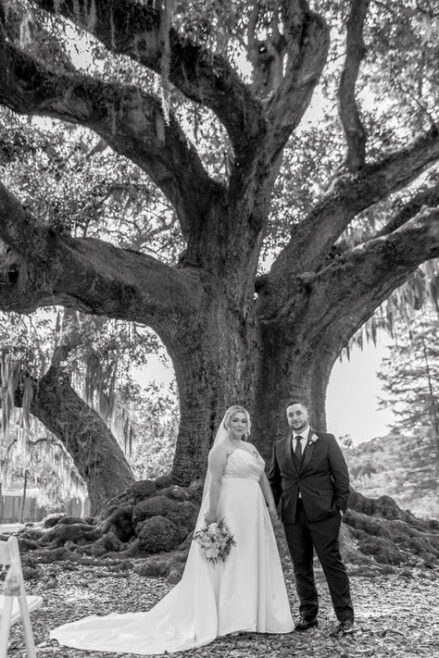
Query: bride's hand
(210,517)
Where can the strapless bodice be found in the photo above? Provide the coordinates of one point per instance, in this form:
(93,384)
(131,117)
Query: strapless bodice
(243,464)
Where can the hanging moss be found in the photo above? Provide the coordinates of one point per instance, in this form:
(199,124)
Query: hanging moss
(165,26)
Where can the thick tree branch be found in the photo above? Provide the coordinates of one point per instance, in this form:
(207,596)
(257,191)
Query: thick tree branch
(84,435)
(311,240)
(133,29)
(425,197)
(129,120)
(347,292)
(348,110)
(327,308)
(307,38)
(266,55)
(350,194)
(257,137)
(45,269)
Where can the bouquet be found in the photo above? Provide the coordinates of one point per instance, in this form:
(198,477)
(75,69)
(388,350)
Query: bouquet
(215,540)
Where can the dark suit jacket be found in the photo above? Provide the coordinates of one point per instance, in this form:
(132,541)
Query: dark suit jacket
(322,478)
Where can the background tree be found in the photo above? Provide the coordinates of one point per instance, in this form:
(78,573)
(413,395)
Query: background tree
(241,77)
(68,178)
(410,376)
(75,374)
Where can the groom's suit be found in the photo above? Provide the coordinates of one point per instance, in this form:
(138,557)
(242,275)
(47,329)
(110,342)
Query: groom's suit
(310,494)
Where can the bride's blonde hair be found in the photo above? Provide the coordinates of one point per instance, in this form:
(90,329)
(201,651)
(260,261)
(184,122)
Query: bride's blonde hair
(221,435)
(231,411)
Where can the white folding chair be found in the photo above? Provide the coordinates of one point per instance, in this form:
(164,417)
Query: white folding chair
(14,604)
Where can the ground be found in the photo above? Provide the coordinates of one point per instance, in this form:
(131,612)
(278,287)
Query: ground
(397,614)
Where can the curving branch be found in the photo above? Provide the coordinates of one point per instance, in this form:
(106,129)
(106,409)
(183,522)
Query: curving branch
(307,39)
(257,136)
(311,240)
(134,29)
(404,249)
(424,197)
(81,432)
(266,55)
(330,306)
(43,268)
(348,110)
(348,291)
(350,194)
(128,119)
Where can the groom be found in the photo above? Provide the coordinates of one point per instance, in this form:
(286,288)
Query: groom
(310,483)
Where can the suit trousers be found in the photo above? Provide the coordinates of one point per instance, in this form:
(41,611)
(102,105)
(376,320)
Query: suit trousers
(302,537)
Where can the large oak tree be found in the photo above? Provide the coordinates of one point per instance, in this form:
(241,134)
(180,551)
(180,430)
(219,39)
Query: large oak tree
(234,334)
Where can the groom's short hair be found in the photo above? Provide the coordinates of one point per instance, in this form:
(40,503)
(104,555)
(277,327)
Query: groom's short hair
(297,401)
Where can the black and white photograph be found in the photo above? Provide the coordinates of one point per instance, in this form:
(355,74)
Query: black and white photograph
(219,328)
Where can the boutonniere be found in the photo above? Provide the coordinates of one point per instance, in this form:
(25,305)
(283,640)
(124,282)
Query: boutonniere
(312,439)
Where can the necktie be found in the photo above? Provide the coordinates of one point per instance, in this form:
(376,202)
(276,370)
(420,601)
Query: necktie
(298,449)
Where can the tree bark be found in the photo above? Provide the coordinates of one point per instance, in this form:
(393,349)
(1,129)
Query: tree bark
(293,364)
(215,367)
(348,110)
(300,344)
(94,450)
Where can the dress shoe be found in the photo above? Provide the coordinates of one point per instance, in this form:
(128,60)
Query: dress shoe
(303,624)
(344,627)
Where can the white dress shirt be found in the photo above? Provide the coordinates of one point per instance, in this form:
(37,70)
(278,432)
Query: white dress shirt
(303,442)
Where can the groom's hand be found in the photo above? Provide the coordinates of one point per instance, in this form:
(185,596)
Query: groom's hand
(273,515)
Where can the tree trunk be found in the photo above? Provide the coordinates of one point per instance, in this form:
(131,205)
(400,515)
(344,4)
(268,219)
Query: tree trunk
(231,360)
(215,368)
(94,450)
(291,365)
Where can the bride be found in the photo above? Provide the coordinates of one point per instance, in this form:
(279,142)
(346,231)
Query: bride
(246,592)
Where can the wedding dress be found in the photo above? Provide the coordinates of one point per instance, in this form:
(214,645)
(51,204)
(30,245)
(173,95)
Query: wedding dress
(246,592)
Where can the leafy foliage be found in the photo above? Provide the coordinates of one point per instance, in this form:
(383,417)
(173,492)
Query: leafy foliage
(69,178)
(400,465)
(154,418)
(410,375)
(102,367)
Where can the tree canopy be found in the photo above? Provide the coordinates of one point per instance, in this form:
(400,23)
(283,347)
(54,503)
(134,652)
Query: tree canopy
(294,145)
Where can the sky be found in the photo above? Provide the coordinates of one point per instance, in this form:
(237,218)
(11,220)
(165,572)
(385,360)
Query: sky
(351,403)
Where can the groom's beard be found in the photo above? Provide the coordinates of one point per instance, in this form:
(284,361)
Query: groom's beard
(299,428)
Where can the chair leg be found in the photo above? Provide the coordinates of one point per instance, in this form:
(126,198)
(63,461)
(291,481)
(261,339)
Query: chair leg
(28,633)
(5,623)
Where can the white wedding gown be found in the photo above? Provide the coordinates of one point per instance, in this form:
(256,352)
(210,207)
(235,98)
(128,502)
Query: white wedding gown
(246,592)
